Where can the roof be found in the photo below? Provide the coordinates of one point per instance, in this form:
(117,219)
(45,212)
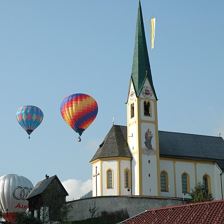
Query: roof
(114,145)
(191,145)
(141,67)
(42,185)
(172,144)
(220,164)
(205,212)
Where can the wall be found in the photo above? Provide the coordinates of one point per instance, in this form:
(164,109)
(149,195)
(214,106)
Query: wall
(96,179)
(196,170)
(124,164)
(113,165)
(84,208)
(133,138)
(169,167)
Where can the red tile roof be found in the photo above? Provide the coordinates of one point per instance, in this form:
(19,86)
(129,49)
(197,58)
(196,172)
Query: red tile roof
(198,213)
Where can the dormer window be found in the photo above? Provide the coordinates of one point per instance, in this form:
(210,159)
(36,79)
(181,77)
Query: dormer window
(132,110)
(147,108)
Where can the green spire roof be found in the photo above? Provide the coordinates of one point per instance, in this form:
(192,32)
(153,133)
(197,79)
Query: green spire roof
(141,67)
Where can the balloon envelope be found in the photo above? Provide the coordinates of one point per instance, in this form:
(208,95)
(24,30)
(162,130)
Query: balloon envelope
(13,192)
(29,117)
(79,111)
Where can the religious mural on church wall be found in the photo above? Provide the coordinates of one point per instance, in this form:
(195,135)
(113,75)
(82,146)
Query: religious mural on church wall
(148,139)
(147,91)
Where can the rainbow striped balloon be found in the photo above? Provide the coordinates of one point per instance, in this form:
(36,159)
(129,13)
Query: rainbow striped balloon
(79,111)
(29,117)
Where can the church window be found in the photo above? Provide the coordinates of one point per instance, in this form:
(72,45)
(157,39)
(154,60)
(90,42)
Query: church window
(147,108)
(132,110)
(164,181)
(185,183)
(207,183)
(109,179)
(127,178)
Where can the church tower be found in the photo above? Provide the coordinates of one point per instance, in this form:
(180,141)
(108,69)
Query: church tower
(142,121)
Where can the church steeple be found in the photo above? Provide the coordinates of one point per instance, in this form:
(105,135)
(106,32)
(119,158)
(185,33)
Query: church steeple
(141,67)
(142,122)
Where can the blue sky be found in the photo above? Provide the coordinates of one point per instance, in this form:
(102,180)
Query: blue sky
(51,49)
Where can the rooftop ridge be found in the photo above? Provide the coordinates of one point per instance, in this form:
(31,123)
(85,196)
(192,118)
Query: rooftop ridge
(184,133)
(185,205)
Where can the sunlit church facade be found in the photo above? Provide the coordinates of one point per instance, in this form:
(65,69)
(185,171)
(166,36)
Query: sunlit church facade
(140,160)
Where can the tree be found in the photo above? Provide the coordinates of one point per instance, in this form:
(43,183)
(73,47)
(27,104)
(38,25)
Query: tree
(23,218)
(54,206)
(200,193)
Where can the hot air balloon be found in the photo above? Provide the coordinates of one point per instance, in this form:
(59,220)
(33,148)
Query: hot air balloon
(79,111)
(13,192)
(29,117)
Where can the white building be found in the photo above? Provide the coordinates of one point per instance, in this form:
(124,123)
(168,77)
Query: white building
(137,159)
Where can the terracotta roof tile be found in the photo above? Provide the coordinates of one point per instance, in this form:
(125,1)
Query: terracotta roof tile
(198,213)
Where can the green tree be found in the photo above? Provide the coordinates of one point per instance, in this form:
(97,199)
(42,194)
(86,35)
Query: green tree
(23,218)
(54,206)
(200,193)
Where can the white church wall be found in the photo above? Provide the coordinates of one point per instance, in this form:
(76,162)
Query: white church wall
(222,186)
(216,193)
(113,165)
(132,134)
(124,164)
(196,170)
(168,166)
(209,169)
(134,175)
(184,167)
(149,160)
(96,179)
(132,137)
(149,175)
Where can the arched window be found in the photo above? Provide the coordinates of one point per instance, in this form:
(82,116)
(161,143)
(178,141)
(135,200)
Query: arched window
(127,178)
(132,110)
(207,183)
(164,181)
(109,179)
(185,183)
(147,108)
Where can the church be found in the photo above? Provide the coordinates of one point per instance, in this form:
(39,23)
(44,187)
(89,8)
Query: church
(140,160)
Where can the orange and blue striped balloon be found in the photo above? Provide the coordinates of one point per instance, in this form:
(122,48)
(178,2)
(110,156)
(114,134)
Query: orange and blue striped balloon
(79,111)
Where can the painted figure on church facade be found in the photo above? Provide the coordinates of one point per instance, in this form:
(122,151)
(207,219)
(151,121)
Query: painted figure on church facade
(147,91)
(148,140)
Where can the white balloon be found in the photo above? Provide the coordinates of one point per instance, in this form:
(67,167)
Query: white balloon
(13,192)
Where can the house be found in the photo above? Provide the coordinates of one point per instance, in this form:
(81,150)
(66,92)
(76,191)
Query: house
(47,198)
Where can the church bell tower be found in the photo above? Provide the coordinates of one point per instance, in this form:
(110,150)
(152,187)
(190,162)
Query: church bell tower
(142,121)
